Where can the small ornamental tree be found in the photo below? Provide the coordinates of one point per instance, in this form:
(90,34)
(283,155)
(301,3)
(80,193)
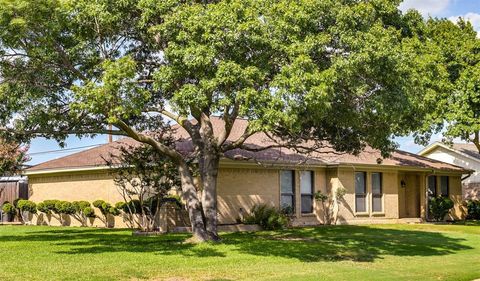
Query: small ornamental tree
(143,177)
(83,211)
(107,210)
(9,210)
(26,209)
(48,207)
(331,204)
(41,207)
(64,208)
(324,200)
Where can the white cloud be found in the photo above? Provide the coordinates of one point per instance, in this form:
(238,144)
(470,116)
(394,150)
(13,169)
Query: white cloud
(473,18)
(426,7)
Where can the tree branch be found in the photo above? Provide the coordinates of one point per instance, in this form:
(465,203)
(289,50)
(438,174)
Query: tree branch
(229,119)
(163,149)
(67,63)
(239,142)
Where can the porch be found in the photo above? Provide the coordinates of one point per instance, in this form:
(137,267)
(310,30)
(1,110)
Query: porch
(411,195)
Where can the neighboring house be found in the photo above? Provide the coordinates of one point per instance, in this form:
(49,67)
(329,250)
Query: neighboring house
(377,190)
(463,155)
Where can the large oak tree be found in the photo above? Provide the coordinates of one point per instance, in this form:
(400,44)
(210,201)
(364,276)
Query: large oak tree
(456,111)
(347,73)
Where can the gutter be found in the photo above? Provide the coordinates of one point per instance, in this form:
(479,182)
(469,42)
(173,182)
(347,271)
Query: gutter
(467,176)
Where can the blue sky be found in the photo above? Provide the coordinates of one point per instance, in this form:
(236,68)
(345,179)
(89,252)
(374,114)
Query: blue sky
(452,9)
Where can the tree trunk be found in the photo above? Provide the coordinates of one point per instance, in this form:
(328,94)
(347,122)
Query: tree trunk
(194,206)
(209,173)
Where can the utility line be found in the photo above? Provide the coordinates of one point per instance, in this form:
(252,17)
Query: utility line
(63,150)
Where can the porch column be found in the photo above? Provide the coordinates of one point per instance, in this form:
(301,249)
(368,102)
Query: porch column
(423,190)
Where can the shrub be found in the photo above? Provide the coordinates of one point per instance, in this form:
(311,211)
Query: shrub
(42,207)
(81,209)
(439,207)
(9,209)
(64,208)
(89,212)
(106,209)
(79,206)
(50,206)
(267,217)
(473,209)
(26,207)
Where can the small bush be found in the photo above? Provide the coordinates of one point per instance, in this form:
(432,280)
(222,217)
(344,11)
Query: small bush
(65,208)
(79,206)
(89,212)
(106,209)
(439,207)
(267,217)
(50,206)
(27,206)
(473,209)
(9,209)
(42,207)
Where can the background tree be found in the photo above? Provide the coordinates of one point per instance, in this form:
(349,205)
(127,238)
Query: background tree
(457,111)
(143,177)
(344,74)
(12,159)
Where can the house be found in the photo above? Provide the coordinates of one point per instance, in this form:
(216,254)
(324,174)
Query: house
(378,190)
(463,155)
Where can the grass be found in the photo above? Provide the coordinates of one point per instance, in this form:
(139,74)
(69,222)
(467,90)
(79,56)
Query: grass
(379,252)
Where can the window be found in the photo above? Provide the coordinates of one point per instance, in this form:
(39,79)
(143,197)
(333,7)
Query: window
(287,186)
(377,192)
(444,185)
(306,191)
(360,192)
(432,186)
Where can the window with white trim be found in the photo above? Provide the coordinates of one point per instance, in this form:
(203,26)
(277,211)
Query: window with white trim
(306,191)
(287,187)
(377,192)
(360,192)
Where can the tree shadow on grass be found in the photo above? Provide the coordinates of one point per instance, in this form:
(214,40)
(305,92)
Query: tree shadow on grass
(96,241)
(355,243)
(336,243)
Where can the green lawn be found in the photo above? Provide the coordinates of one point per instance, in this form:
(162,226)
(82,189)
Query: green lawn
(380,252)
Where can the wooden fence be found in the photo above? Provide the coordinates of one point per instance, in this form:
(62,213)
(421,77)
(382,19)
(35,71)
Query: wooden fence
(11,190)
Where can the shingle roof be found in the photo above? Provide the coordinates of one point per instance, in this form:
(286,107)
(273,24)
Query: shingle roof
(95,157)
(467,148)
